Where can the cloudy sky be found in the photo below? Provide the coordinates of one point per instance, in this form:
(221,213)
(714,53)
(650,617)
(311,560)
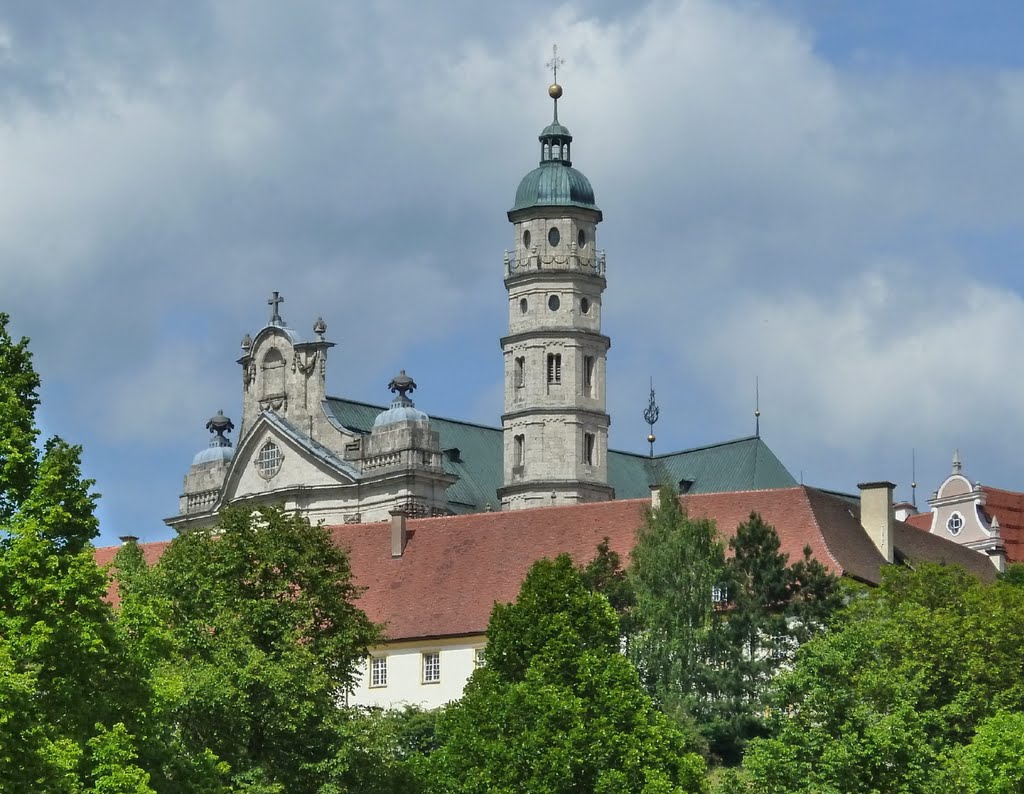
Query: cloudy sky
(825,195)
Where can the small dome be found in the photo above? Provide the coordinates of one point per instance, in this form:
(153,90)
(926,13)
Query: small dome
(554,184)
(400,413)
(213,454)
(555,130)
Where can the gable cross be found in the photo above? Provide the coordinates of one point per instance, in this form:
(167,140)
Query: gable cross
(275,302)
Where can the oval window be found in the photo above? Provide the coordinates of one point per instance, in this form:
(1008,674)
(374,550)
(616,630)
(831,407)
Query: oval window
(523,306)
(581,238)
(584,306)
(554,303)
(526,239)
(553,236)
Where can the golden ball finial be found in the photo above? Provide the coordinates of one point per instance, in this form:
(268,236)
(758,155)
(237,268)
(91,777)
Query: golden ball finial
(555,91)
(651,439)
(757,414)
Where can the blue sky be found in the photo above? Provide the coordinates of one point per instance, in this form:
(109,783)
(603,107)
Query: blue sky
(823,195)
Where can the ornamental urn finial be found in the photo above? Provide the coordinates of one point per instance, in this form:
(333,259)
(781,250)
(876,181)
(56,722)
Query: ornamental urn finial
(402,385)
(220,425)
(320,328)
(246,343)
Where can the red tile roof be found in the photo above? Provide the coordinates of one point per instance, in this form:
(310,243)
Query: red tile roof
(454,568)
(105,556)
(921,521)
(1008,507)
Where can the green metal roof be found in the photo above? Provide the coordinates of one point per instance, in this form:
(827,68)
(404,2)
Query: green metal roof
(554,183)
(746,464)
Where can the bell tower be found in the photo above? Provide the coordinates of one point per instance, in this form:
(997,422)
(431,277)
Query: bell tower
(555,424)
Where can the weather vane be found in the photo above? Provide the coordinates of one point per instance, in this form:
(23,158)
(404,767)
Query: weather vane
(555,90)
(554,63)
(651,414)
(757,407)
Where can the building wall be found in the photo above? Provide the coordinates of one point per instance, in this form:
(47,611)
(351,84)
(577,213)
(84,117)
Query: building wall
(405,684)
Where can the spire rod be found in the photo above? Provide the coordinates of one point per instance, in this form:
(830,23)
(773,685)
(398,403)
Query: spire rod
(651,414)
(757,407)
(913,477)
(555,90)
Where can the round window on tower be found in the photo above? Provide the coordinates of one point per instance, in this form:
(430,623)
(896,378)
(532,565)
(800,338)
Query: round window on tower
(581,238)
(553,236)
(526,239)
(523,306)
(554,303)
(584,305)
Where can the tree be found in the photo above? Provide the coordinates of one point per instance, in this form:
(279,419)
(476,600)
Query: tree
(677,563)
(991,763)
(604,574)
(71,696)
(264,641)
(771,609)
(909,675)
(557,708)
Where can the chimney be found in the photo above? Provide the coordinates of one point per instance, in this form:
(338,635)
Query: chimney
(655,496)
(399,533)
(877,515)
(126,539)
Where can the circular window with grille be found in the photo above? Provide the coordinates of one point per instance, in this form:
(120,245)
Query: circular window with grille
(955,523)
(268,460)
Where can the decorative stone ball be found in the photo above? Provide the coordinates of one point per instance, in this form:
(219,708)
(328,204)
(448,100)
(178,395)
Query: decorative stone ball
(555,91)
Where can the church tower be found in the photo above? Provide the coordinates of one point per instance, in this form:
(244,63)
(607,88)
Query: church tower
(555,423)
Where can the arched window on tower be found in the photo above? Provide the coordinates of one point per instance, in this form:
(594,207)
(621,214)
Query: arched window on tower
(556,152)
(520,372)
(273,373)
(554,367)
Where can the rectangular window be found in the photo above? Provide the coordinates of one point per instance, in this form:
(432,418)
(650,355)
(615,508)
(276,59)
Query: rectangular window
(519,452)
(588,376)
(554,367)
(520,372)
(478,658)
(431,668)
(378,671)
(719,594)
(588,448)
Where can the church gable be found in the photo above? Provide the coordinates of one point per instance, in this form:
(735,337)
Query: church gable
(276,458)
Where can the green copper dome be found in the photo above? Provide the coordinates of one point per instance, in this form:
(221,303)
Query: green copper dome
(555,183)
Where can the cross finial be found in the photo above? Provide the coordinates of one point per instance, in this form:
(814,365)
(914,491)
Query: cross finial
(275,315)
(554,63)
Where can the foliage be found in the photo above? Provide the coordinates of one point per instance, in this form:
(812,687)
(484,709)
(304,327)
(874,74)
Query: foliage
(676,563)
(604,574)
(258,639)
(557,708)
(991,763)
(75,707)
(772,608)
(880,703)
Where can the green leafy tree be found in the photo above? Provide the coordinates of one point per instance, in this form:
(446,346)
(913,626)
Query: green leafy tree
(71,693)
(676,565)
(557,708)
(991,763)
(771,609)
(604,574)
(908,676)
(264,641)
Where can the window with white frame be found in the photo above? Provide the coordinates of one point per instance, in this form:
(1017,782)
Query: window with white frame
(719,594)
(432,667)
(268,460)
(479,660)
(378,671)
